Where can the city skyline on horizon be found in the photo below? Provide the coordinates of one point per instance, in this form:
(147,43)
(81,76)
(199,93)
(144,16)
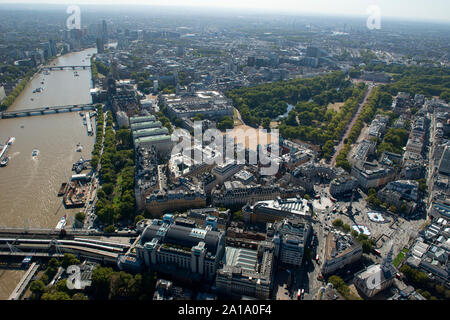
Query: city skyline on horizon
(419,10)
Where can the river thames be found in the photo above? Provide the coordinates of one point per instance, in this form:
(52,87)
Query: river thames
(29,186)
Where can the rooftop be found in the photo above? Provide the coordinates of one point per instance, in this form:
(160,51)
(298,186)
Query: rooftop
(239,257)
(142,119)
(152,139)
(338,245)
(295,206)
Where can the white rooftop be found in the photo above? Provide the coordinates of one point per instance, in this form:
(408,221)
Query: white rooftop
(294,205)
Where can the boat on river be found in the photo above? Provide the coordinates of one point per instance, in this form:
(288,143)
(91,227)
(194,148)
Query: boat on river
(62,190)
(4,162)
(62,223)
(35,153)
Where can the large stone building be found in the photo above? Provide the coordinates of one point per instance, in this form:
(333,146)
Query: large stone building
(210,104)
(444,164)
(376,278)
(226,170)
(158,192)
(169,247)
(217,218)
(378,126)
(148,133)
(430,253)
(342,185)
(340,250)
(290,239)
(163,201)
(408,188)
(370,175)
(401,194)
(235,193)
(440,209)
(365,148)
(247,272)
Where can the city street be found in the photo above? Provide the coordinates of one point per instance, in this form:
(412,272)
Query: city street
(350,126)
(395,230)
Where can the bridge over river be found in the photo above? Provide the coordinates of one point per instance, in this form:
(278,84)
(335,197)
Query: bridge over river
(52,68)
(89,248)
(46,110)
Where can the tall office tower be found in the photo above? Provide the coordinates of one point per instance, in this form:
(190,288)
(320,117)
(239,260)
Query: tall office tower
(100,45)
(105,32)
(53,47)
(180,51)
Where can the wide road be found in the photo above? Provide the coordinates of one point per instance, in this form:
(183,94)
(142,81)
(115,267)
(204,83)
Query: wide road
(431,163)
(352,123)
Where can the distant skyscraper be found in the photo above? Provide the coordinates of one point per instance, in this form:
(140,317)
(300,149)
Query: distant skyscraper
(175,76)
(100,45)
(315,52)
(274,59)
(53,48)
(45,47)
(104,32)
(251,61)
(111,85)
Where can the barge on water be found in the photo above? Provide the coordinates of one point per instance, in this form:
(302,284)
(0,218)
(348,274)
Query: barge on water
(77,193)
(62,190)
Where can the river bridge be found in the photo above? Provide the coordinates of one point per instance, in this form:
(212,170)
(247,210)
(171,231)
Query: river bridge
(104,252)
(23,284)
(44,244)
(92,249)
(35,233)
(46,110)
(60,68)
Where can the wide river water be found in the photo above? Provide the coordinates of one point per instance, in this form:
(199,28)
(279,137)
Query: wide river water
(28,186)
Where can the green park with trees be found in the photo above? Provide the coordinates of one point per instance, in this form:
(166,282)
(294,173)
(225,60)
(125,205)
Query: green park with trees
(342,288)
(429,81)
(429,289)
(106,284)
(378,101)
(310,120)
(116,200)
(9,100)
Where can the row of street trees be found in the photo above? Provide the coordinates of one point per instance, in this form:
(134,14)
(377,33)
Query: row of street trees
(116,200)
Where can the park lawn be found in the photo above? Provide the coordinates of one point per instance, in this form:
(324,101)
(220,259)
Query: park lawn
(336,106)
(400,257)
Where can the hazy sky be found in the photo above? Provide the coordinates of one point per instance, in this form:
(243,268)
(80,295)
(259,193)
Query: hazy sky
(438,10)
